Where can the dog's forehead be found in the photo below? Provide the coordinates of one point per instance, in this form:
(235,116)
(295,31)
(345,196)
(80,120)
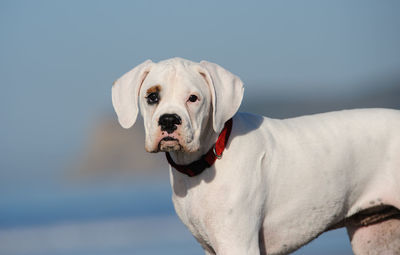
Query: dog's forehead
(175,72)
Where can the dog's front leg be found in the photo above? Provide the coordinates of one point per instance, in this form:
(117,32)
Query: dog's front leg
(230,234)
(238,249)
(236,233)
(226,228)
(238,244)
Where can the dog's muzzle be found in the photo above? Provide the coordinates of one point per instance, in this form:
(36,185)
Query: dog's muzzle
(169,123)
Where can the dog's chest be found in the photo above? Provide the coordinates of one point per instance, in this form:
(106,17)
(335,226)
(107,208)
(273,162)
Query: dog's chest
(197,211)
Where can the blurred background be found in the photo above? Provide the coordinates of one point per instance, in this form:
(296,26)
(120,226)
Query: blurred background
(72,181)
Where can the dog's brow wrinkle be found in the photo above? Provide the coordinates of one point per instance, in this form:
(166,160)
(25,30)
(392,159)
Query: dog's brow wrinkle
(156,88)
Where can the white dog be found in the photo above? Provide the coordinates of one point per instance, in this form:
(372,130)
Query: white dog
(247,184)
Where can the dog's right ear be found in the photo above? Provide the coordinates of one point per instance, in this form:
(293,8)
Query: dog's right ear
(125,93)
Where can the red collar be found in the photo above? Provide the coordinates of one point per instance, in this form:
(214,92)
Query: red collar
(208,159)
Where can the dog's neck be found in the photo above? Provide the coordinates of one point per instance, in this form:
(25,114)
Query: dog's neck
(208,139)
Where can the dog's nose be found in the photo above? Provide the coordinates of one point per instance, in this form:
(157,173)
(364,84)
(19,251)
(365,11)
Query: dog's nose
(168,122)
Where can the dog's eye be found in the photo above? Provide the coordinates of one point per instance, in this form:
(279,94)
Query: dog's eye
(193,98)
(153,98)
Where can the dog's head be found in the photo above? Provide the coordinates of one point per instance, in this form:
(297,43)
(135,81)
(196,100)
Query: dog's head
(178,99)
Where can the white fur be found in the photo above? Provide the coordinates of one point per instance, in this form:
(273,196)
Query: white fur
(280,183)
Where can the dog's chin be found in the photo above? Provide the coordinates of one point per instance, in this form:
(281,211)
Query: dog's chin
(168,145)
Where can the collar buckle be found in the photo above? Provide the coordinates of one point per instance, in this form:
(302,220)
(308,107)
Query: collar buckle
(215,153)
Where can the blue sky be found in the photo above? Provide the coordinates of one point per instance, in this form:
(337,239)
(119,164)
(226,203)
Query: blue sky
(59,58)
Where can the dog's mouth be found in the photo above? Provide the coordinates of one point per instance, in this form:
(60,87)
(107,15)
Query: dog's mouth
(169,143)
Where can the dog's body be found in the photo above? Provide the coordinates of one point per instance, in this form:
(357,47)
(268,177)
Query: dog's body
(292,178)
(280,183)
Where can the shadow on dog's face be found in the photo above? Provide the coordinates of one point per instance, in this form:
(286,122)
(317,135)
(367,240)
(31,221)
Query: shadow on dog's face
(175,102)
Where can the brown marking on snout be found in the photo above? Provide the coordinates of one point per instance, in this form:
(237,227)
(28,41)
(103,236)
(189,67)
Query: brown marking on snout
(155,88)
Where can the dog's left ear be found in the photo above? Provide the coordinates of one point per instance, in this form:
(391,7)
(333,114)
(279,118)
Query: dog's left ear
(125,93)
(226,92)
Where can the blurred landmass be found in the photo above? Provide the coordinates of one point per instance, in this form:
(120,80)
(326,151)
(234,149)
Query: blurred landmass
(110,149)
